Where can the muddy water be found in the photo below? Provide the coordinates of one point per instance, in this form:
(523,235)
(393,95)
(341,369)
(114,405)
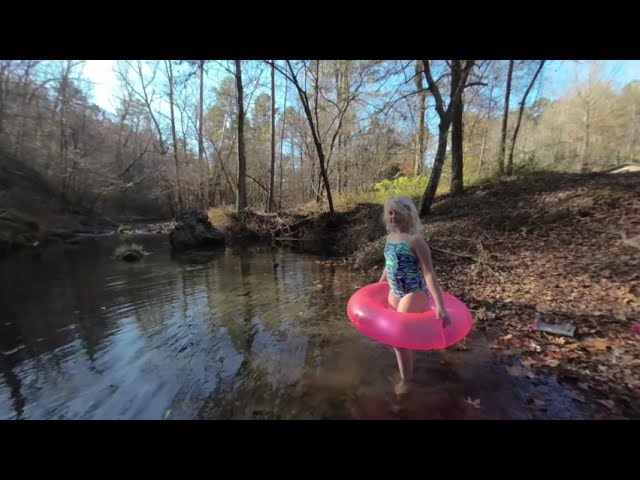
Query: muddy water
(252,334)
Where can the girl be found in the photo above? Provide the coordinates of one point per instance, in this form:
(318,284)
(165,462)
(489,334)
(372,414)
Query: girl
(409,272)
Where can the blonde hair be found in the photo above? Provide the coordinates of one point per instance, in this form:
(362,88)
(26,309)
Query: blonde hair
(408,208)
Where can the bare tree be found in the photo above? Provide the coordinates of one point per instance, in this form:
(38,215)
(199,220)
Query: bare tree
(241,190)
(292,77)
(446,116)
(270,202)
(422,106)
(505,118)
(174,137)
(457,161)
(520,112)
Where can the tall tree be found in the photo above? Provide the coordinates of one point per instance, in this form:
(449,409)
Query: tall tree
(174,137)
(304,99)
(457,161)
(241,186)
(505,119)
(520,112)
(422,107)
(446,115)
(270,202)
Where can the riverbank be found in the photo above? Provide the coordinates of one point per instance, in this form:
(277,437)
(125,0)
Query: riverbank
(551,248)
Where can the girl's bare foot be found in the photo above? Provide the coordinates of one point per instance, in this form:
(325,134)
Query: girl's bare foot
(402,387)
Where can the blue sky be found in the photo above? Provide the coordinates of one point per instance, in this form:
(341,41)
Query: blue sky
(100,73)
(559,75)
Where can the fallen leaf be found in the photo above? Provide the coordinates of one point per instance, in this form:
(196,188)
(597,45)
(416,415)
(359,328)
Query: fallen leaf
(596,344)
(620,316)
(576,396)
(632,382)
(527,362)
(475,403)
(552,362)
(608,403)
(537,400)
(507,337)
(516,371)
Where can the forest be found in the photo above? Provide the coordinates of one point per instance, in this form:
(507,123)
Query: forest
(274,135)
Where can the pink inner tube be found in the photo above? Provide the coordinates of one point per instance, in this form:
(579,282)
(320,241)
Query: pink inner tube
(370,312)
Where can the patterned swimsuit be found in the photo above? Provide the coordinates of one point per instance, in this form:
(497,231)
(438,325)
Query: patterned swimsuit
(403,269)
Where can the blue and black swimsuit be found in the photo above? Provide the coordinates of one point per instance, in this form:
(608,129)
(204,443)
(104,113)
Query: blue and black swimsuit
(403,269)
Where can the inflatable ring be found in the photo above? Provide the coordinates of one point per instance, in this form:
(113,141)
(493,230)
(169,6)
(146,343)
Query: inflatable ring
(370,313)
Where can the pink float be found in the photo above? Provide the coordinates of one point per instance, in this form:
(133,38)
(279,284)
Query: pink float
(370,313)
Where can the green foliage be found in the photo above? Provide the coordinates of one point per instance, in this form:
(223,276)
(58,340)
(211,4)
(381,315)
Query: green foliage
(348,200)
(410,186)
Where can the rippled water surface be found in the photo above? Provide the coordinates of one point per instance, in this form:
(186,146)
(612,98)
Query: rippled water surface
(234,334)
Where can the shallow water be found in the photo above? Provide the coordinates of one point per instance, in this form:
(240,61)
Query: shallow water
(234,334)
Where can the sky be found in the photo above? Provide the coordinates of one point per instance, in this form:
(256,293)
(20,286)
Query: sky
(558,76)
(101,74)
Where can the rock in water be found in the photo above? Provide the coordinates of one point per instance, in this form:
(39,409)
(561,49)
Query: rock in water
(193,230)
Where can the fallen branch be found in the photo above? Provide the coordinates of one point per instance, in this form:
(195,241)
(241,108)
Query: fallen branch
(624,238)
(279,228)
(480,260)
(464,255)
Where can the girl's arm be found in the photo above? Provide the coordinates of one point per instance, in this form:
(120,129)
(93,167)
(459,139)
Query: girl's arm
(383,278)
(422,251)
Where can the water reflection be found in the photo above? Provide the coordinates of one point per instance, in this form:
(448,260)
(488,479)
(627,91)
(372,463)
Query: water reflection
(84,336)
(234,333)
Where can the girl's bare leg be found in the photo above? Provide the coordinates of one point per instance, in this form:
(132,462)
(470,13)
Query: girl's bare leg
(412,302)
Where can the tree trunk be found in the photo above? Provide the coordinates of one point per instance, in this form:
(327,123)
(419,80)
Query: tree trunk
(486,130)
(174,136)
(339,160)
(505,118)
(422,106)
(201,160)
(316,139)
(587,135)
(436,171)
(520,112)
(241,190)
(345,138)
(457,161)
(443,128)
(270,202)
(632,137)
(284,125)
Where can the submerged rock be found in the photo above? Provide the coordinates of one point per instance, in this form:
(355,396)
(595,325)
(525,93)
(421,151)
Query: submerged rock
(130,252)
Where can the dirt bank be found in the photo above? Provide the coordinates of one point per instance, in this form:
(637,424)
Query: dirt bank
(557,248)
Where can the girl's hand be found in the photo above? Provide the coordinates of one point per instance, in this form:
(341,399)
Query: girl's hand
(444,316)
